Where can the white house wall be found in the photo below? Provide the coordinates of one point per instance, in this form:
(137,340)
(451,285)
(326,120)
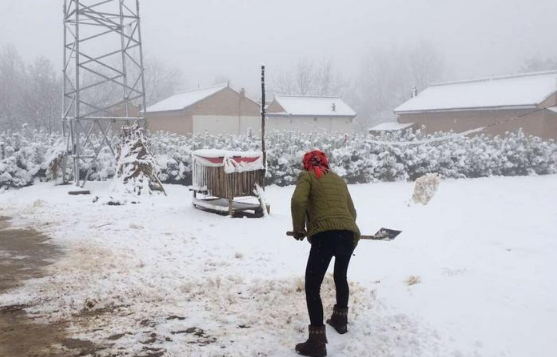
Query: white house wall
(341,125)
(247,123)
(221,124)
(310,124)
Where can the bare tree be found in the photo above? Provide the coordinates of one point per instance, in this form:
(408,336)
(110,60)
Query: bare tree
(33,94)
(536,64)
(309,78)
(220,79)
(41,104)
(161,80)
(283,83)
(379,84)
(426,65)
(328,81)
(12,79)
(387,77)
(304,77)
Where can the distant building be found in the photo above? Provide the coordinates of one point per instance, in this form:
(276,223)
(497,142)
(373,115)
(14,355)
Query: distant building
(214,110)
(120,111)
(462,106)
(309,113)
(390,127)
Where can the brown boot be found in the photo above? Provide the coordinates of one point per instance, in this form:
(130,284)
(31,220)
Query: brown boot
(339,319)
(316,345)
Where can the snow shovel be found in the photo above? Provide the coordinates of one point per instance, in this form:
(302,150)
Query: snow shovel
(382,234)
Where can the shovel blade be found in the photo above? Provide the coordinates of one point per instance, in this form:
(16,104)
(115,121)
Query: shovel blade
(383,234)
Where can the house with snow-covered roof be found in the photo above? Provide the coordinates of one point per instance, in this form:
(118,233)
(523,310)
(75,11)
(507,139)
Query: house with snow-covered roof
(214,110)
(309,113)
(389,127)
(526,101)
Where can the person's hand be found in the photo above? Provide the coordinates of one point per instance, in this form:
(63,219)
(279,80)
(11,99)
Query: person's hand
(300,235)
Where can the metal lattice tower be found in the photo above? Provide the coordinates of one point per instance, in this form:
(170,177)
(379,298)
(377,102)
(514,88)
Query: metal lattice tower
(104,85)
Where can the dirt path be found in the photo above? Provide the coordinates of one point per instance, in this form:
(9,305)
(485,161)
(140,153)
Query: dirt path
(23,255)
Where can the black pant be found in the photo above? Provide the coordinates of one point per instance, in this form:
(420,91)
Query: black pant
(324,246)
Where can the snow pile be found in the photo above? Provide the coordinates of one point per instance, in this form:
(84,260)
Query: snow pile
(425,188)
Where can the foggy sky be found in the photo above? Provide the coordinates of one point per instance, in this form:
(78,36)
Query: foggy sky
(231,38)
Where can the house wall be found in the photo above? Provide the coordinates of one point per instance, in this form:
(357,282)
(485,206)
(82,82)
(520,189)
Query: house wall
(222,124)
(309,124)
(538,123)
(226,102)
(542,123)
(120,111)
(551,101)
(342,125)
(177,122)
(550,125)
(250,123)
(274,107)
(225,112)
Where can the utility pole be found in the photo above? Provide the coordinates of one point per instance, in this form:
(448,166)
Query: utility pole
(263,114)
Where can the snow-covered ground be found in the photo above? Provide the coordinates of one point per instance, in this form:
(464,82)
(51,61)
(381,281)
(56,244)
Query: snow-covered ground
(482,255)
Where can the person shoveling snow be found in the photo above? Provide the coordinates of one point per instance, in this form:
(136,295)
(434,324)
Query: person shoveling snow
(321,202)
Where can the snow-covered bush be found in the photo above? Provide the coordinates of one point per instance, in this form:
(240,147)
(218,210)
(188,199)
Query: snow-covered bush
(25,156)
(137,168)
(359,158)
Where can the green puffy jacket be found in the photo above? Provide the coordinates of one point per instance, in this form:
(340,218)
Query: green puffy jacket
(323,205)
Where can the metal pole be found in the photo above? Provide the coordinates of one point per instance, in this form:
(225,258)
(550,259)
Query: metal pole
(124,50)
(144,99)
(64,90)
(263,114)
(75,138)
(65,6)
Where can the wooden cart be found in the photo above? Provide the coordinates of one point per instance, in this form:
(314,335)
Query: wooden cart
(224,181)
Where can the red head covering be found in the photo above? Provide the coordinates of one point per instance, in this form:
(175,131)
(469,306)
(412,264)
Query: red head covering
(316,161)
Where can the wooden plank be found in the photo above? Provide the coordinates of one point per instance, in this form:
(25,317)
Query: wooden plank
(79,192)
(222,204)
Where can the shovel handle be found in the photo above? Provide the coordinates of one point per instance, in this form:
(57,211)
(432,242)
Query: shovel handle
(365,237)
(292,234)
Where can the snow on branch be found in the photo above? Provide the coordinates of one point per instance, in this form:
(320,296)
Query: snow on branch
(137,172)
(25,156)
